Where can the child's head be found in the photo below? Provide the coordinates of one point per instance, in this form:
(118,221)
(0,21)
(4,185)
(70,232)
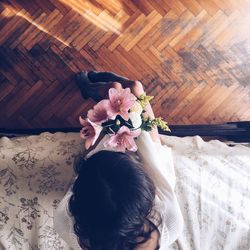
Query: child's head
(112,197)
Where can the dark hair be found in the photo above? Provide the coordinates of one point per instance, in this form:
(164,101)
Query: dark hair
(112,197)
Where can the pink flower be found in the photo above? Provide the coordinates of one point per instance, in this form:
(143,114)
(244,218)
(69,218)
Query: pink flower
(123,139)
(121,101)
(90,132)
(100,112)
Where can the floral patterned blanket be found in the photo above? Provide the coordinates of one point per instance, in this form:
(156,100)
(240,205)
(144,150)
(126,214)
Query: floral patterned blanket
(213,188)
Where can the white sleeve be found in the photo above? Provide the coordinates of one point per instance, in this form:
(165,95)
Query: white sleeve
(158,163)
(64,223)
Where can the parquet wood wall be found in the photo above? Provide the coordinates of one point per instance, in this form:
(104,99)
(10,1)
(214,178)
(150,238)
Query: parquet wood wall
(192,55)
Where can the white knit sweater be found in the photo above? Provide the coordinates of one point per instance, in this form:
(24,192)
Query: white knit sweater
(158,163)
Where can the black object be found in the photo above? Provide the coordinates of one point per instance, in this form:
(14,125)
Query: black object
(232,131)
(87,88)
(96,76)
(90,82)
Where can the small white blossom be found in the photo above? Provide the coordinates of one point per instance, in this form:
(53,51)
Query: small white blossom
(136,108)
(135,119)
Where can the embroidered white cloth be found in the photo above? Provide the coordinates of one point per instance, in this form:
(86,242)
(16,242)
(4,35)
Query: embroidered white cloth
(158,163)
(212,187)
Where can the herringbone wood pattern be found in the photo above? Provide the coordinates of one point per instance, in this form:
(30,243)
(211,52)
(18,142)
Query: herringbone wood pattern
(192,55)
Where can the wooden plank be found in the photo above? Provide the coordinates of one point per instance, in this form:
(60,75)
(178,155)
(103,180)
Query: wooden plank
(191,55)
(193,6)
(154,19)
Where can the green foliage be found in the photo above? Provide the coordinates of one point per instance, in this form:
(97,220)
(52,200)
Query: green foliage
(148,124)
(159,122)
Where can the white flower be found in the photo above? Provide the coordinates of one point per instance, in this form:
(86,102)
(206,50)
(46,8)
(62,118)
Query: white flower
(135,119)
(136,108)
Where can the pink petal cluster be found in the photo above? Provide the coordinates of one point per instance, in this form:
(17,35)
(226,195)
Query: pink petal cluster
(120,102)
(100,112)
(123,139)
(90,132)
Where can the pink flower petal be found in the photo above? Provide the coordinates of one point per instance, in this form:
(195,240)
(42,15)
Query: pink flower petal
(100,111)
(126,92)
(123,129)
(124,114)
(128,103)
(130,144)
(82,121)
(113,142)
(121,101)
(127,95)
(124,139)
(82,135)
(113,93)
(90,132)
(112,114)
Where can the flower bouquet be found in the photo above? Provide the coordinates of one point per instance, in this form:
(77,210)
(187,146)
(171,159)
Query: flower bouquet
(122,117)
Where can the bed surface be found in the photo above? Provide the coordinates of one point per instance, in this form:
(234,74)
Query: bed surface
(213,188)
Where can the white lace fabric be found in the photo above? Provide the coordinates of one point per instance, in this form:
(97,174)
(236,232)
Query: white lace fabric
(158,164)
